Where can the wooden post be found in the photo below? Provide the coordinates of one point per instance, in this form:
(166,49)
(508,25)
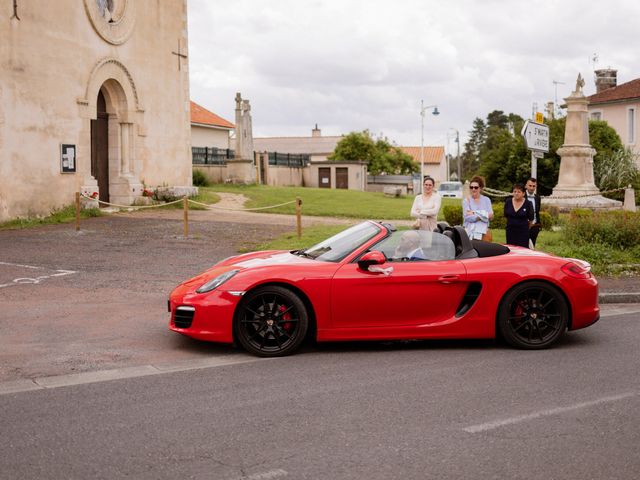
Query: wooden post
(299,216)
(185,203)
(77,211)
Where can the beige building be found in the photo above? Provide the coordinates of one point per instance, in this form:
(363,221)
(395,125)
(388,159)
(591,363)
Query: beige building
(94,96)
(209,129)
(619,106)
(318,147)
(435,163)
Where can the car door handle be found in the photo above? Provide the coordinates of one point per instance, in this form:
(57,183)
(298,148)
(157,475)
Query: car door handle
(377,269)
(449,278)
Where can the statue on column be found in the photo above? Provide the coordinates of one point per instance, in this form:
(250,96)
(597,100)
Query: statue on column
(576,186)
(244,129)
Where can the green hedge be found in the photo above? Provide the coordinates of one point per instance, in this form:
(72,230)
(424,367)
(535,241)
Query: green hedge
(452,214)
(618,229)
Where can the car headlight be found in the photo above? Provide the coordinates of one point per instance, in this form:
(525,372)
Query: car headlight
(217,281)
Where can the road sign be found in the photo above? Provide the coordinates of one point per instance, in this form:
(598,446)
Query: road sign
(539,117)
(536,136)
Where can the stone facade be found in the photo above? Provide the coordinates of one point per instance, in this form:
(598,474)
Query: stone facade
(70,69)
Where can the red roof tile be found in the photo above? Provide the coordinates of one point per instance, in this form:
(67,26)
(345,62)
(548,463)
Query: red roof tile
(625,91)
(204,117)
(431,154)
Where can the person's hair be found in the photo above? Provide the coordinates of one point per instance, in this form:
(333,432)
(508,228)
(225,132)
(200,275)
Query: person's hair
(532,179)
(478,179)
(518,186)
(427,177)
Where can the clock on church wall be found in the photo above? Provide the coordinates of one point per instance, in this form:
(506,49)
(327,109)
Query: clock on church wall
(113,20)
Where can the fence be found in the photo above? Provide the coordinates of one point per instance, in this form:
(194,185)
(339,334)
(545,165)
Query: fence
(298,160)
(211,155)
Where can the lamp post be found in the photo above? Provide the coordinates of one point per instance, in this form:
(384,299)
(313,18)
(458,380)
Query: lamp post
(435,111)
(456,136)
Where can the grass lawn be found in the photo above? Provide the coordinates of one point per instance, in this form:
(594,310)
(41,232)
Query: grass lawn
(323,201)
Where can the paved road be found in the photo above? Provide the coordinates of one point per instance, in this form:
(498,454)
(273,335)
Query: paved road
(350,411)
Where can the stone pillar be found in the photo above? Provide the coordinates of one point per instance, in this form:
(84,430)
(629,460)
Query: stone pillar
(242,169)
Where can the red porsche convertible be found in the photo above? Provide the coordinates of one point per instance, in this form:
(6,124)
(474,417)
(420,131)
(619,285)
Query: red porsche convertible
(372,282)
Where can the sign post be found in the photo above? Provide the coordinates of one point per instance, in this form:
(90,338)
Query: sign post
(536,138)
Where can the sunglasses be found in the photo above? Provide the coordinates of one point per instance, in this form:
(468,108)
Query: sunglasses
(472,187)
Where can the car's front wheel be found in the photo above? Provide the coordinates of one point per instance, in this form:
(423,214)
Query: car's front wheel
(271,321)
(532,316)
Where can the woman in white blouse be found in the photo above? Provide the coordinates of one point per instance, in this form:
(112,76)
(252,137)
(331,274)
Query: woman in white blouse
(427,205)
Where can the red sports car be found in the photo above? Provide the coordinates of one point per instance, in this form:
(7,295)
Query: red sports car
(371,282)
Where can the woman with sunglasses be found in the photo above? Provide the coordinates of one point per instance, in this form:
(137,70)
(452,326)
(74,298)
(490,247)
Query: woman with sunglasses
(477,211)
(426,206)
(519,213)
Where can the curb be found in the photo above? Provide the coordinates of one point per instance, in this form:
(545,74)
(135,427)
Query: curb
(619,298)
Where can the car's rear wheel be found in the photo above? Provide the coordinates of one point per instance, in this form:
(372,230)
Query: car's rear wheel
(271,321)
(533,315)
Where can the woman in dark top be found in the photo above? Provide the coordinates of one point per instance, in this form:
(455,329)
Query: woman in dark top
(519,214)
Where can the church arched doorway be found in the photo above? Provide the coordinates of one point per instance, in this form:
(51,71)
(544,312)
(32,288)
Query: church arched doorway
(100,147)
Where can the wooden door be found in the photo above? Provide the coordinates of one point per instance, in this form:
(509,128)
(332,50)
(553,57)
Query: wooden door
(342,177)
(324,177)
(100,148)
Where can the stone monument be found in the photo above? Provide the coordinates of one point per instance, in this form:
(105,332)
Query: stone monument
(242,168)
(576,187)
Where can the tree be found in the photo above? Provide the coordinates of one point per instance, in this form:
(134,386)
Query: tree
(380,155)
(497,151)
(470,158)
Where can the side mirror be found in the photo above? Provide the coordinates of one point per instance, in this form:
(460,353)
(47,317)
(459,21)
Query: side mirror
(373,257)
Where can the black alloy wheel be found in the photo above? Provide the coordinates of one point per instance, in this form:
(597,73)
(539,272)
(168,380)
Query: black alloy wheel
(532,316)
(271,321)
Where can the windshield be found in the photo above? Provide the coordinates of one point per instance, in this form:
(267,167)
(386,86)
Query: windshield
(450,187)
(342,244)
(416,245)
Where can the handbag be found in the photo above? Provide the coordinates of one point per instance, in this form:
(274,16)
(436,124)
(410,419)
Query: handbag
(487,236)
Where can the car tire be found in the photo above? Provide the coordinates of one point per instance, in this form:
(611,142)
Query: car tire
(271,321)
(532,316)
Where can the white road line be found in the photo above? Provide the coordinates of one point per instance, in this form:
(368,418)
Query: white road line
(57,381)
(33,280)
(483,427)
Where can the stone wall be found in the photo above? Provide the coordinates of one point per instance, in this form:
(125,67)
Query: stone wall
(54,61)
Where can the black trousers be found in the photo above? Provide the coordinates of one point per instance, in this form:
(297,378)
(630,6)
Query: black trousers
(533,233)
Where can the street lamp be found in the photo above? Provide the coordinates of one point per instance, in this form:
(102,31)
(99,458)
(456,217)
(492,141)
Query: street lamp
(435,111)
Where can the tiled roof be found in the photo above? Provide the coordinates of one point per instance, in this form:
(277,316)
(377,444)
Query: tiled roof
(304,145)
(203,116)
(625,91)
(431,154)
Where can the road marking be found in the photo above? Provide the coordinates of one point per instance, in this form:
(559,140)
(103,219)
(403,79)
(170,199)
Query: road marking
(57,381)
(33,280)
(278,473)
(483,427)
(612,310)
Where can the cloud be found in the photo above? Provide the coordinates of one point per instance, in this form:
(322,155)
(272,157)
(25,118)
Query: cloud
(349,64)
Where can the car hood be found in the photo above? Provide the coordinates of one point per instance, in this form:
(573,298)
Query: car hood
(254,260)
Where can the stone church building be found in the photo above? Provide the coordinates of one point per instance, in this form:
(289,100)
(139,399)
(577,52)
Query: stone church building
(94,97)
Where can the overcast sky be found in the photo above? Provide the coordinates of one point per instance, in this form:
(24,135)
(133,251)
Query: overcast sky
(351,65)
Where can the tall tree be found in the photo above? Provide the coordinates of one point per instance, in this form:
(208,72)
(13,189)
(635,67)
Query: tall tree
(380,155)
(470,158)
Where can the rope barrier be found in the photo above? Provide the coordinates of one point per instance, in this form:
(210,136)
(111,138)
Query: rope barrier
(185,200)
(499,193)
(129,206)
(241,209)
